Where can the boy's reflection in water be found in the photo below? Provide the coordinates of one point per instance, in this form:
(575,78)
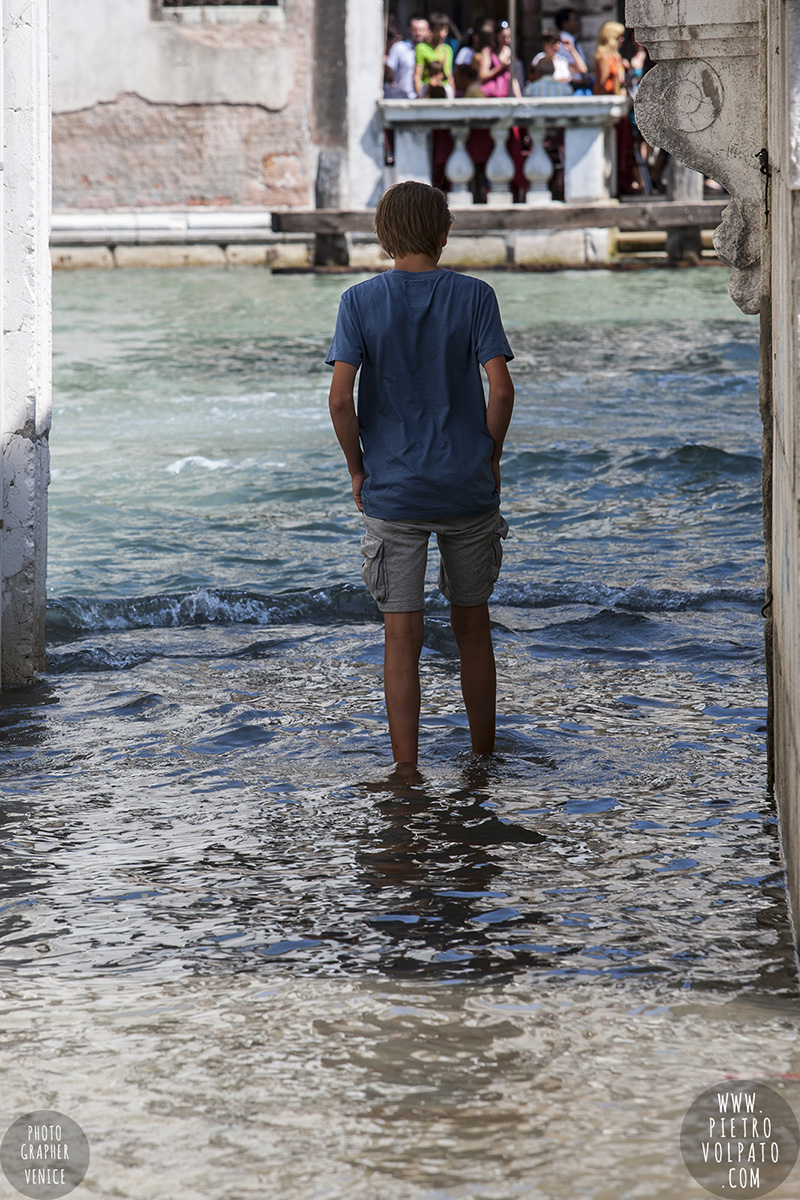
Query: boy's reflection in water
(442,857)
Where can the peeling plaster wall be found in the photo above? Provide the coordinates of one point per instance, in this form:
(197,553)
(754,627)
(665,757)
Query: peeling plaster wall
(131,153)
(149,112)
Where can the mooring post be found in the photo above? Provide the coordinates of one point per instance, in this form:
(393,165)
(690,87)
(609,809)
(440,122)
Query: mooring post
(684,244)
(26,343)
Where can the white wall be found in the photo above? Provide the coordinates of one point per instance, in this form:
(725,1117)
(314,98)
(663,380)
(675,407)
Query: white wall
(26,399)
(365,45)
(102,48)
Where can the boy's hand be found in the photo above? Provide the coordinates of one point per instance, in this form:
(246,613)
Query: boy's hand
(358,483)
(496,472)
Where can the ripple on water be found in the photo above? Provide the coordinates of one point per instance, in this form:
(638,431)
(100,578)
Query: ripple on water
(219,918)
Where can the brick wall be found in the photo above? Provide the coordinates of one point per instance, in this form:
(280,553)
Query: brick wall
(155,113)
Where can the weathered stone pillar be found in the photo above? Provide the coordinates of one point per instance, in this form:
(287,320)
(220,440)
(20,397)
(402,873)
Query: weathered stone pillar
(26,390)
(779,216)
(365,45)
(329,122)
(725,99)
(412,153)
(684,243)
(348,82)
(585,163)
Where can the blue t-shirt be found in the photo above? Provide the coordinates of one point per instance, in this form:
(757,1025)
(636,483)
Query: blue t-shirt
(419,337)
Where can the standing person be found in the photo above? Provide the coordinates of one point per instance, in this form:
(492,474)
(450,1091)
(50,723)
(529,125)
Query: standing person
(467,86)
(468,48)
(497,73)
(516,69)
(610,74)
(423,451)
(436,88)
(494,63)
(402,56)
(568,24)
(609,66)
(434,47)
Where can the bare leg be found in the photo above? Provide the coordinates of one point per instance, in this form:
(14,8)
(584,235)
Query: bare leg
(478,676)
(403,634)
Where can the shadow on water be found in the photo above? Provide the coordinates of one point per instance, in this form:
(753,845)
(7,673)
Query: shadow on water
(441,853)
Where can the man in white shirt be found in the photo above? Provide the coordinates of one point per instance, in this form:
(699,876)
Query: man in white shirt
(402,56)
(568,23)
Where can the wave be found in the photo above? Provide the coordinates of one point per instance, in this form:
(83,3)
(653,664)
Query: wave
(695,457)
(196,460)
(691,460)
(638,597)
(72,615)
(208,606)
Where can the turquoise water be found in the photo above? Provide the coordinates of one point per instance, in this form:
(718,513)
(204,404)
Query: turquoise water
(208,893)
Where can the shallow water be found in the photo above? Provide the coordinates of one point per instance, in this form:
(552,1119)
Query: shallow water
(509,981)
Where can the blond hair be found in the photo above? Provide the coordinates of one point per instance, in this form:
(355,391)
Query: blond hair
(412,218)
(609,33)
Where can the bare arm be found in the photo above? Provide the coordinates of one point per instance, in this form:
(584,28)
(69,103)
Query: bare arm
(576,61)
(499,408)
(418,78)
(345,424)
(485,69)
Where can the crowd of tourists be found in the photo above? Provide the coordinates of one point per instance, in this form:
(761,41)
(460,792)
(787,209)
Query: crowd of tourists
(434,61)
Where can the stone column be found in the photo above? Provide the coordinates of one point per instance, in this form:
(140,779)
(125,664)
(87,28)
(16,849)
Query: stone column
(26,344)
(779,217)
(365,44)
(585,164)
(724,98)
(329,123)
(412,152)
(684,244)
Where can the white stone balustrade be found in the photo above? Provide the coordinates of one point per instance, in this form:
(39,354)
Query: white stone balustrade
(587,121)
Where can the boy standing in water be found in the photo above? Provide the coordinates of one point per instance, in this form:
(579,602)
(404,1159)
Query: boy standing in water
(423,451)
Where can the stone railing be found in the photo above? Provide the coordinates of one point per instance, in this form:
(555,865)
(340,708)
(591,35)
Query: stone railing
(589,147)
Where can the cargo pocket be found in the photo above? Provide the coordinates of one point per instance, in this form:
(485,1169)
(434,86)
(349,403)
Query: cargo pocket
(373,568)
(496,556)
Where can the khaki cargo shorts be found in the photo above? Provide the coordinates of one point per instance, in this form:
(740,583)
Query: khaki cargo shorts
(396,554)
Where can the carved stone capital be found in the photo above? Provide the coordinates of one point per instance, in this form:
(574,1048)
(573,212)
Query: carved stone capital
(693,103)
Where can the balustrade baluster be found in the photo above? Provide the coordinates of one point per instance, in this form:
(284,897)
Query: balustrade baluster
(460,168)
(500,167)
(538,169)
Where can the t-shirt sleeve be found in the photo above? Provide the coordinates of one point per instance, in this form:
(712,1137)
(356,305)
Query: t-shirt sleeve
(490,337)
(347,345)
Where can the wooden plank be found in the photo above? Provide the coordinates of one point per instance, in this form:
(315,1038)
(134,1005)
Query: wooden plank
(655,215)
